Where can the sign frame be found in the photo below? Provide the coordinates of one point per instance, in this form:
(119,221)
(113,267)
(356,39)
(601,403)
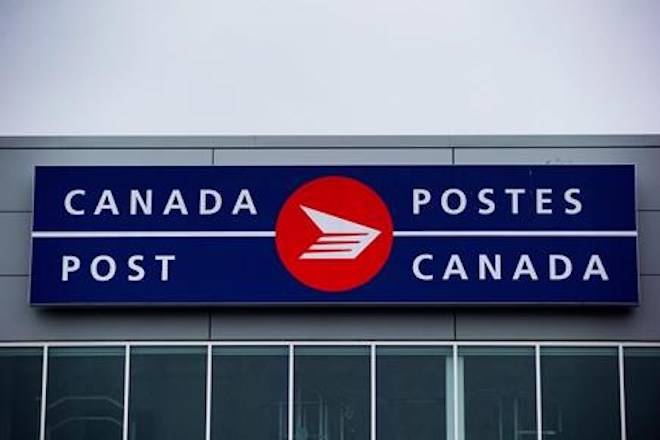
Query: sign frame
(346,304)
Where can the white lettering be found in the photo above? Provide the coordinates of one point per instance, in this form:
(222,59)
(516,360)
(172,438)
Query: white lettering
(420,197)
(444,201)
(244,201)
(569,197)
(106,201)
(94,268)
(70,264)
(495,269)
(69,198)
(488,202)
(454,267)
(560,267)
(542,201)
(144,202)
(138,270)
(525,267)
(514,193)
(175,202)
(164,265)
(416,270)
(595,267)
(568,267)
(204,209)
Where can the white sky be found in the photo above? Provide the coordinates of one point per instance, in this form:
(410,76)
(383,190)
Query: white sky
(329,67)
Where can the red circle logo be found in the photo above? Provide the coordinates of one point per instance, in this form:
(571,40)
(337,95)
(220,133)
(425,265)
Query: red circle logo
(334,233)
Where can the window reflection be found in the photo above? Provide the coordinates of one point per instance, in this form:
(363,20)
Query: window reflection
(642,371)
(20,393)
(580,393)
(332,396)
(499,394)
(167,393)
(250,393)
(85,393)
(412,396)
(332,393)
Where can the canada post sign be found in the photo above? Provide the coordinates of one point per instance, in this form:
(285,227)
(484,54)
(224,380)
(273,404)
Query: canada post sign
(334,235)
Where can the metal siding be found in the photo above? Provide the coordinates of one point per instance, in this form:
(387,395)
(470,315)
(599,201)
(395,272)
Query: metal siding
(648,223)
(634,323)
(646,159)
(16,167)
(352,141)
(125,142)
(332,324)
(19,322)
(14,242)
(334,156)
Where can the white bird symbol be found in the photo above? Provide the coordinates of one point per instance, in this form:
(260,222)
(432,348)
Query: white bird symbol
(341,239)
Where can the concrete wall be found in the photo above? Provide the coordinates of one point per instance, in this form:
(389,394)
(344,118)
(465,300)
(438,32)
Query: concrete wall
(19,321)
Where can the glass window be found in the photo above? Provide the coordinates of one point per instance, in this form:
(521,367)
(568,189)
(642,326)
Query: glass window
(85,393)
(250,384)
(167,393)
(580,390)
(20,393)
(499,393)
(332,393)
(642,371)
(413,399)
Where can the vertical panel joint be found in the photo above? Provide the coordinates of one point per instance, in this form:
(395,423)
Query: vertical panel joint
(539,400)
(44,385)
(622,393)
(290,395)
(373,391)
(127,372)
(209,390)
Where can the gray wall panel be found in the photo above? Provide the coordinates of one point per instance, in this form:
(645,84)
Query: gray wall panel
(353,156)
(647,160)
(580,323)
(552,141)
(649,242)
(14,242)
(324,141)
(352,141)
(16,167)
(331,324)
(137,142)
(20,322)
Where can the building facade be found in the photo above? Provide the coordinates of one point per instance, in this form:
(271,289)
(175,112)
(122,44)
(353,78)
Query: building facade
(331,372)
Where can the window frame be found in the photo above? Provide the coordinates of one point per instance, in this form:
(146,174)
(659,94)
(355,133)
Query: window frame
(453,345)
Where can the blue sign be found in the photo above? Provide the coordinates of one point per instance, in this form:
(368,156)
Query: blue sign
(334,235)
